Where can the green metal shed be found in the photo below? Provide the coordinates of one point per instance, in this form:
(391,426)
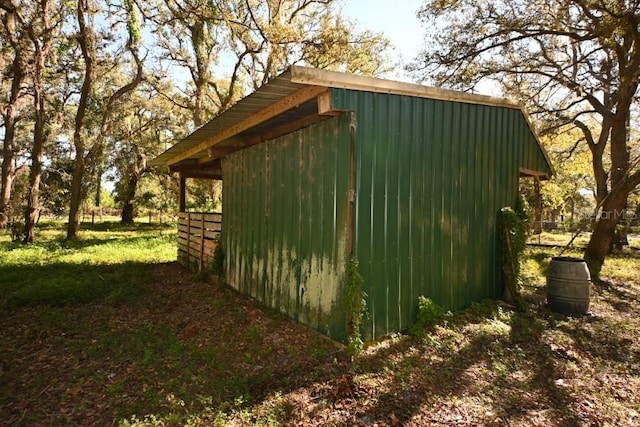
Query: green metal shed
(319,165)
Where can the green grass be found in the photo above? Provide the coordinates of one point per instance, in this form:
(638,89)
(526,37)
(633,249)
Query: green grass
(108,261)
(102,331)
(562,238)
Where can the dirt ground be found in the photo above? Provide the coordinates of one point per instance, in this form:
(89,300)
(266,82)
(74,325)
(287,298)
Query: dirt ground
(191,352)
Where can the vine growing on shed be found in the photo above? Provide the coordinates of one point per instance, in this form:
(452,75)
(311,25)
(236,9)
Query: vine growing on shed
(356,306)
(514,228)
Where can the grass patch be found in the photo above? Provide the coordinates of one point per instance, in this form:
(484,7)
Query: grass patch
(171,349)
(112,265)
(104,330)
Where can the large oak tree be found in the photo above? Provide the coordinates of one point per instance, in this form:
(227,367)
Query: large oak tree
(88,143)
(15,70)
(574,62)
(38,24)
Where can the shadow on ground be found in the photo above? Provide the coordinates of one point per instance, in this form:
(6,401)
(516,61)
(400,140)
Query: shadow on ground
(190,352)
(180,347)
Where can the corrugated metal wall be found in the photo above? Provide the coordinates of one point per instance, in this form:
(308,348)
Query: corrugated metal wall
(431,178)
(285,224)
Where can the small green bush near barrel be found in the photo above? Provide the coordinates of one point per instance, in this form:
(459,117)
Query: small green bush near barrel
(568,282)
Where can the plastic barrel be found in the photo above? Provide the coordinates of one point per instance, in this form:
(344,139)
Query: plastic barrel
(568,285)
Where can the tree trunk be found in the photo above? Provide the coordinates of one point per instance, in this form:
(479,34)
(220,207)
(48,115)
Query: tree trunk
(98,195)
(8,173)
(8,148)
(128,215)
(604,231)
(619,149)
(42,45)
(33,193)
(88,47)
(86,39)
(197,105)
(76,196)
(537,207)
(615,203)
(128,209)
(5,192)
(9,116)
(97,201)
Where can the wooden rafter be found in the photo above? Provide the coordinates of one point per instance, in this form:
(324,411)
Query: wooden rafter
(219,152)
(298,97)
(325,107)
(192,164)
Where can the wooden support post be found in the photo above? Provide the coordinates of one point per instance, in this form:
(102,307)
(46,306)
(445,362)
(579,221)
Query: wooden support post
(183,193)
(537,208)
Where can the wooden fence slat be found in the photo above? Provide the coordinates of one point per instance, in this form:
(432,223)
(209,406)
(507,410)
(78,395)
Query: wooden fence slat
(211,234)
(188,235)
(215,226)
(215,217)
(195,221)
(197,237)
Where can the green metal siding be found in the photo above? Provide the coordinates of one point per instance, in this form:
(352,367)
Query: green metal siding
(285,224)
(431,176)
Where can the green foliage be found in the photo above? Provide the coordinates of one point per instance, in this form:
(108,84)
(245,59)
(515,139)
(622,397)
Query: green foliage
(356,306)
(56,186)
(334,50)
(158,192)
(514,229)
(204,195)
(429,315)
(564,193)
(556,72)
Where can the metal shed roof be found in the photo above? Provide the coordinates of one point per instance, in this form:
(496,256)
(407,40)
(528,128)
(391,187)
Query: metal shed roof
(293,100)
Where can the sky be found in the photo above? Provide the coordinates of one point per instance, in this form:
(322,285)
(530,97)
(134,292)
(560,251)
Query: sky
(396,19)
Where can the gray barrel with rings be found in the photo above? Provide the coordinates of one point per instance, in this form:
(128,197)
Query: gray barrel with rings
(568,282)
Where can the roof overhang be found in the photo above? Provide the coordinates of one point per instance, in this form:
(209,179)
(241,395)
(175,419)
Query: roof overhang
(297,98)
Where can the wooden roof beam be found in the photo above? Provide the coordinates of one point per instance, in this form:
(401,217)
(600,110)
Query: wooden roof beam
(219,152)
(296,98)
(324,105)
(194,165)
